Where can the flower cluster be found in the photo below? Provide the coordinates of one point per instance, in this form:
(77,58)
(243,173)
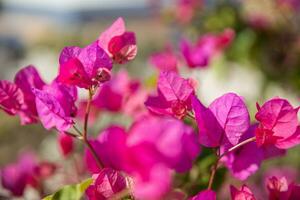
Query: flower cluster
(170,126)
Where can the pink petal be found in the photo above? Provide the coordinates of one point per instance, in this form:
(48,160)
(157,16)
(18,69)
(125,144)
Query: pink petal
(11,97)
(66,143)
(165,60)
(173,87)
(232,114)
(68,53)
(205,195)
(116,29)
(210,131)
(51,112)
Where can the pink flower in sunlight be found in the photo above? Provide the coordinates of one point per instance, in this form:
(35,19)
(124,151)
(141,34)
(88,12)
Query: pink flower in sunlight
(84,67)
(66,143)
(55,105)
(207,46)
(226,117)
(165,60)
(17,98)
(244,193)
(174,96)
(106,184)
(278,124)
(118,43)
(205,195)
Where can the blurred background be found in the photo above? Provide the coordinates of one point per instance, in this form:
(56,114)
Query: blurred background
(262,62)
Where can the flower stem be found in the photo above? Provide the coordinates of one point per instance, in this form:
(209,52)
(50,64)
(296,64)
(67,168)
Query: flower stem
(215,166)
(84,135)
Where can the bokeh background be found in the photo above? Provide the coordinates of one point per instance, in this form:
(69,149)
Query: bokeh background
(262,62)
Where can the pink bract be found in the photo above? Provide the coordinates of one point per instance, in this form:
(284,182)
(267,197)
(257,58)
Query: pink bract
(244,193)
(66,143)
(119,44)
(278,124)
(226,118)
(174,96)
(106,184)
(205,195)
(84,67)
(165,60)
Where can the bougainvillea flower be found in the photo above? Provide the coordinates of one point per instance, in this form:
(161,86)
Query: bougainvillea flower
(11,97)
(278,124)
(17,98)
(174,96)
(84,67)
(200,54)
(280,188)
(56,105)
(16,176)
(165,60)
(226,118)
(155,186)
(118,43)
(66,143)
(110,147)
(106,184)
(112,94)
(238,161)
(26,79)
(205,195)
(244,193)
(175,142)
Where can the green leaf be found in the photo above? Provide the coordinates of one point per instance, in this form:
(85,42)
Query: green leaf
(70,192)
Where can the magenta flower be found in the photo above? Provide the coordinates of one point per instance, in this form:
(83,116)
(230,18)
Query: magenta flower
(16,176)
(205,195)
(17,98)
(238,161)
(112,94)
(174,96)
(278,124)
(280,188)
(55,105)
(119,44)
(66,143)
(84,67)
(207,46)
(175,142)
(165,60)
(226,118)
(106,184)
(241,194)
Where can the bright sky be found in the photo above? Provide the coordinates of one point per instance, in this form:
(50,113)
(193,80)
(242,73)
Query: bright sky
(76,4)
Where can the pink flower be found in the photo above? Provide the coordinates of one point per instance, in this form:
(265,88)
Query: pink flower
(226,118)
(241,194)
(207,46)
(174,141)
(112,94)
(278,124)
(66,143)
(174,96)
(238,161)
(84,67)
(165,60)
(106,184)
(56,105)
(16,176)
(205,195)
(185,10)
(280,188)
(17,98)
(119,44)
